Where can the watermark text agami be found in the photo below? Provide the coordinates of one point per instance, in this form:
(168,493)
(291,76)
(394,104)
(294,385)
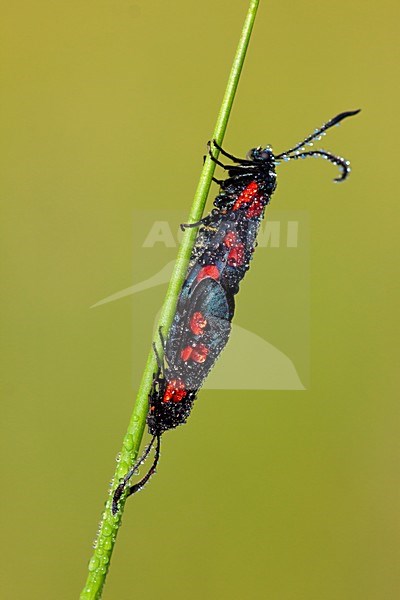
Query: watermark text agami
(273,234)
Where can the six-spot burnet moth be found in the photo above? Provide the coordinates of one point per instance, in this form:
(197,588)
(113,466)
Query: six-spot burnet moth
(220,258)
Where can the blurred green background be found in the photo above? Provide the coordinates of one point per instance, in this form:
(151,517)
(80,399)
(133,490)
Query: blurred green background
(106,108)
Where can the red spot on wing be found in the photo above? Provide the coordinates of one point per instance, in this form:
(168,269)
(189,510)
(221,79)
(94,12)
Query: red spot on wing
(247,195)
(255,209)
(198,323)
(186,353)
(208,271)
(230,239)
(197,353)
(236,253)
(174,391)
(200,353)
(236,256)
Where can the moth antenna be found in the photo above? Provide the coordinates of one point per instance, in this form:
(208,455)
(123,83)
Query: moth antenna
(138,486)
(342,163)
(120,489)
(318,132)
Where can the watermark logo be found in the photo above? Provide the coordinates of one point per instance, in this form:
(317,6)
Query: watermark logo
(268,346)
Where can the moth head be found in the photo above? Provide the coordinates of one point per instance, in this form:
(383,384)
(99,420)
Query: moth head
(261,154)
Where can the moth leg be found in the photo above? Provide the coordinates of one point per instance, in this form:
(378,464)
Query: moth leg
(205,221)
(160,363)
(161,336)
(215,180)
(234,178)
(235,159)
(215,160)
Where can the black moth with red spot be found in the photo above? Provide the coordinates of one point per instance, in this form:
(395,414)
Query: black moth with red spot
(221,256)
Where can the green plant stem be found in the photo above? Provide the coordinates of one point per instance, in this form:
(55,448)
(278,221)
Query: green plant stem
(109,525)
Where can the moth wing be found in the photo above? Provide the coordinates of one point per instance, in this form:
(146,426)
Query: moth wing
(210,300)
